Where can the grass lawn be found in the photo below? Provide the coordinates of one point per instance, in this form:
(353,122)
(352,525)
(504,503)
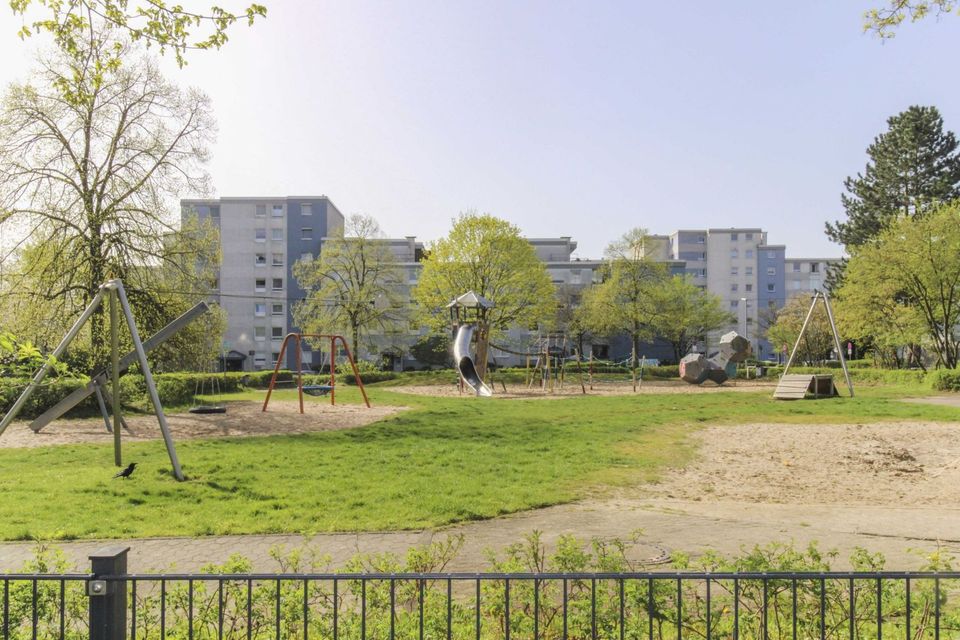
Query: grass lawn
(444,460)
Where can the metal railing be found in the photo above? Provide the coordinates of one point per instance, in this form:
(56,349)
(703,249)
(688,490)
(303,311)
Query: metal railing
(109,604)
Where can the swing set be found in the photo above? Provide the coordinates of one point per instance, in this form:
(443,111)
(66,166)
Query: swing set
(315,389)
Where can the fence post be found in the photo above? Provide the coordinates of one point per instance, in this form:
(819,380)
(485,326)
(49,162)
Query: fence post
(108,598)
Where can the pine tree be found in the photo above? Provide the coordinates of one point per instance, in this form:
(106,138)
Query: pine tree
(912,166)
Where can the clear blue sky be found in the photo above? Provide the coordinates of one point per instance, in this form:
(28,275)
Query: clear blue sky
(581,119)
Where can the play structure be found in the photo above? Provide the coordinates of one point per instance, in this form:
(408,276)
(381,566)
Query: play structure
(547,362)
(115,296)
(696,368)
(468,315)
(798,386)
(315,389)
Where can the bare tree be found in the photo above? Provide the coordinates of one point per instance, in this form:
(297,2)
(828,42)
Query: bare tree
(354,287)
(93,156)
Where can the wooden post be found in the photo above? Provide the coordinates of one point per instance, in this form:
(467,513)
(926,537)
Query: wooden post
(590,370)
(115,373)
(633,355)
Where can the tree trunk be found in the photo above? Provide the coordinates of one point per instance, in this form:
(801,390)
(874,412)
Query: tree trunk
(480,355)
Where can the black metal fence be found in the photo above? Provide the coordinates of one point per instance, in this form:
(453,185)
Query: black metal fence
(109,604)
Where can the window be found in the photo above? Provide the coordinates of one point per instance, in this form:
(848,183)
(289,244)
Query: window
(734,270)
(771,304)
(277,235)
(306,256)
(703,256)
(276,333)
(749,271)
(814,267)
(277,310)
(306,233)
(734,253)
(796,266)
(306,209)
(277,284)
(259,362)
(795,285)
(260,260)
(260,309)
(771,271)
(734,304)
(748,287)
(734,237)
(261,235)
(771,287)
(734,287)
(702,273)
(748,236)
(772,255)
(216,283)
(749,253)
(261,285)
(277,211)
(275,356)
(259,333)
(215,212)
(261,211)
(278,260)
(700,239)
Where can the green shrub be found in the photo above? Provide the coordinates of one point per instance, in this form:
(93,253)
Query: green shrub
(945,379)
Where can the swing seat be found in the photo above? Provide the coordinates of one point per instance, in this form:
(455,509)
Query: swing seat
(317,389)
(208,410)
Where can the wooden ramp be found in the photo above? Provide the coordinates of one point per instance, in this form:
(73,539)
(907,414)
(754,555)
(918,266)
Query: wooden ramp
(797,386)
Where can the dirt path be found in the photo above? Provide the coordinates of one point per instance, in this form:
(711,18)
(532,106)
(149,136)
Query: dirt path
(572,387)
(891,488)
(242,419)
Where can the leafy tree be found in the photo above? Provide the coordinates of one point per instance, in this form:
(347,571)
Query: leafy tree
(487,255)
(913,165)
(912,272)
(817,341)
(154,22)
(687,314)
(884,21)
(432,349)
(568,318)
(354,287)
(91,182)
(628,299)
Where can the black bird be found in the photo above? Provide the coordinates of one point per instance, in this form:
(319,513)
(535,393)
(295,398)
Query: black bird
(126,473)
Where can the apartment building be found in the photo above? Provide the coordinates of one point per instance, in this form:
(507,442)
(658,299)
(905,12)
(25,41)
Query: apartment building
(752,277)
(261,239)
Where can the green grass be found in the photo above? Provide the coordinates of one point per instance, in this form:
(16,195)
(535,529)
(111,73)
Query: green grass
(444,460)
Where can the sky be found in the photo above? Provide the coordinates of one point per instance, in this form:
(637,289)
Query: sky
(580,119)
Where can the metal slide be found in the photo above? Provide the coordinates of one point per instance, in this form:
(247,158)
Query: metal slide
(465,365)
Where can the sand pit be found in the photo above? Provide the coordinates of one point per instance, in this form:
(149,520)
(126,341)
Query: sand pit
(242,419)
(909,464)
(571,387)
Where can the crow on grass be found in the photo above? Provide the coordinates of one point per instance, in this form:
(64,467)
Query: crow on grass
(126,473)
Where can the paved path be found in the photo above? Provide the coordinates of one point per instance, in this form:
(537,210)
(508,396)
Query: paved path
(667,525)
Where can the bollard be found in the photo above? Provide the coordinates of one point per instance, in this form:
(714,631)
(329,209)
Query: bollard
(108,598)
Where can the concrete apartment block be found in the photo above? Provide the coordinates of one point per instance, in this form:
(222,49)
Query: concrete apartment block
(261,239)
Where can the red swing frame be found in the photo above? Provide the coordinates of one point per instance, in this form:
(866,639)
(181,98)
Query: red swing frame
(298,337)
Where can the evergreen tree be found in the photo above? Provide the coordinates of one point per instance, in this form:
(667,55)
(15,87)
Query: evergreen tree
(913,165)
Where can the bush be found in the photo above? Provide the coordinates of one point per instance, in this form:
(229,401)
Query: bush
(945,379)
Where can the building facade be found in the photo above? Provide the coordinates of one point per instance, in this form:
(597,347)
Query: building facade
(260,240)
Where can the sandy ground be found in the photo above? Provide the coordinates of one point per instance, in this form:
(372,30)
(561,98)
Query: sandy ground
(571,387)
(241,419)
(908,464)
(890,488)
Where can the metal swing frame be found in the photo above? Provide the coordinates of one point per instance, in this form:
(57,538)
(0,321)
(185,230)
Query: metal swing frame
(298,338)
(116,297)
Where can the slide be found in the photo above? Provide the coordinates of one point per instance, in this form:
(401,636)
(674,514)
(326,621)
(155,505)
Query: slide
(468,370)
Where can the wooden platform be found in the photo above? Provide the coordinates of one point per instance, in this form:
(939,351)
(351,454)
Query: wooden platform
(797,386)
